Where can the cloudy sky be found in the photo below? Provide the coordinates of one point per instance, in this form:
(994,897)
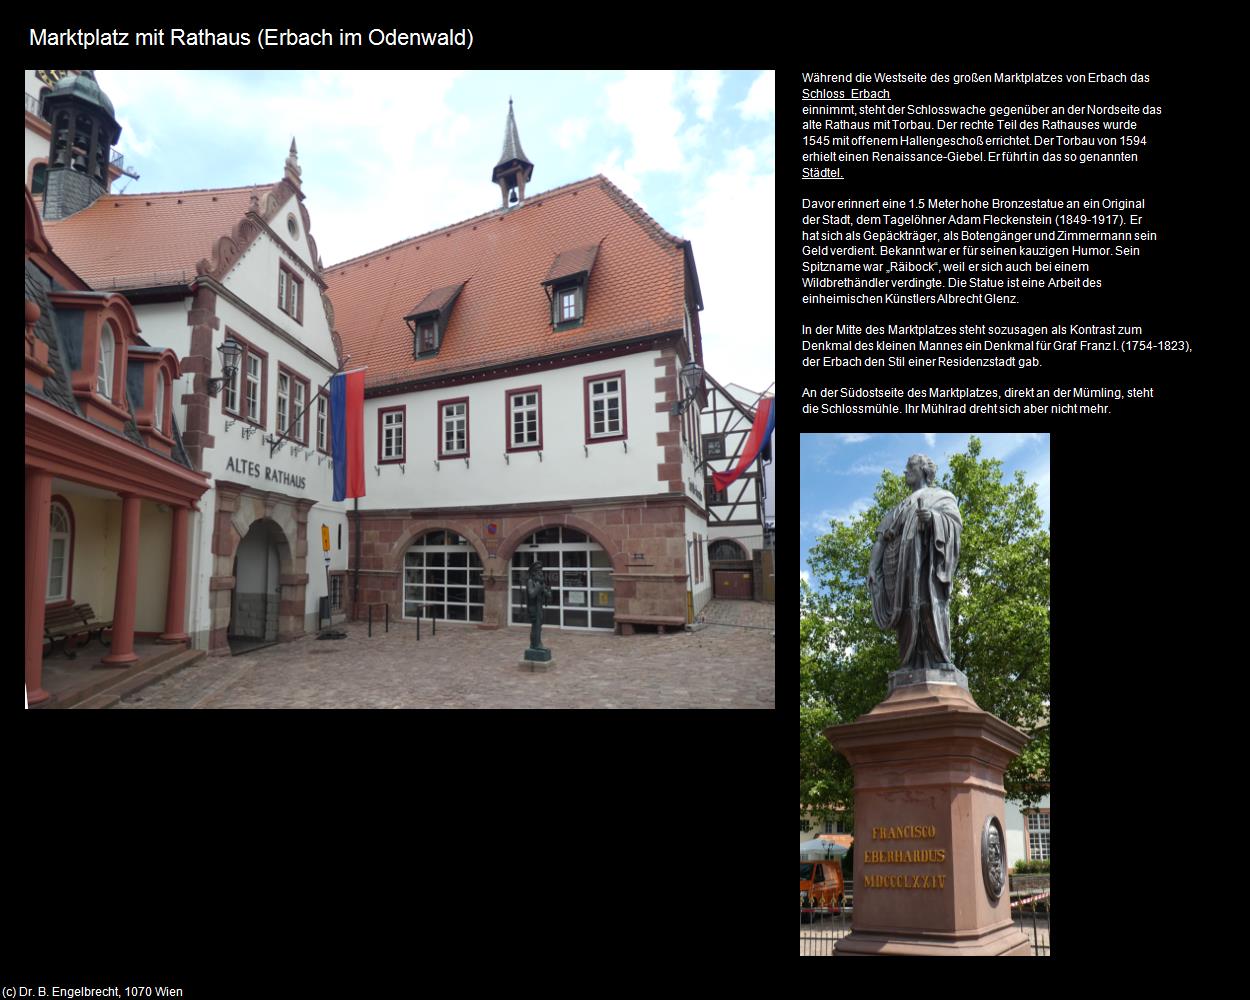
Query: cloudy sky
(389,156)
(840,471)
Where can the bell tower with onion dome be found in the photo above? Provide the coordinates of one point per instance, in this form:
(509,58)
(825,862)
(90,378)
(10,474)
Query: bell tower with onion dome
(84,130)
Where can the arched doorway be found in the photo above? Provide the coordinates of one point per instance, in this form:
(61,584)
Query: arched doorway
(579,573)
(443,578)
(256,602)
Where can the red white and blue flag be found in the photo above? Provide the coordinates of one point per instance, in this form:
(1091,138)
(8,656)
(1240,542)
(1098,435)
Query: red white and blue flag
(347,433)
(761,434)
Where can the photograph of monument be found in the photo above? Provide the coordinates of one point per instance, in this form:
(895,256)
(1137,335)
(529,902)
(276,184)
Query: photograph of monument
(925,692)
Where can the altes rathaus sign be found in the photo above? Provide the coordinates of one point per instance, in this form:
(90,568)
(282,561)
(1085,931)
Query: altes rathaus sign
(254,469)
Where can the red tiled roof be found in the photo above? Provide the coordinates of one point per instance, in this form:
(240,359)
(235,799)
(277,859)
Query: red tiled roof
(503,314)
(436,300)
(138,240)
(572,262)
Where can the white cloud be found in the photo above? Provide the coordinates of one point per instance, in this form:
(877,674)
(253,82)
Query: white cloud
(1004,445)
(731,226)
(613,170)
(930,439)
(761,101)
(854,438)
(343,187)
(644,103)
(571,133)
(705,84)
(865,468)
(1040,475)
(805,576)
(819,524)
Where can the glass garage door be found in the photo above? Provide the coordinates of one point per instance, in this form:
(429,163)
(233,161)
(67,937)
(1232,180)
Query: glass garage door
(443,579)
(578,572)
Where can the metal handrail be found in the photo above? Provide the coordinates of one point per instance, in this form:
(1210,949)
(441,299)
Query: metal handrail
(32,104)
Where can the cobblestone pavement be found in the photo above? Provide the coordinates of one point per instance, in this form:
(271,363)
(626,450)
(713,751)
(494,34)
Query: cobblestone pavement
(464,667)
(753,614)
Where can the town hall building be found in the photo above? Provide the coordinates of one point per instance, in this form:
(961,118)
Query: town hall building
(525,400)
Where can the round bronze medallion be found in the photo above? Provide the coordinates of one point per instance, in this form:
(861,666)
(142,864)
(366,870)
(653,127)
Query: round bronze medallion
(992,857)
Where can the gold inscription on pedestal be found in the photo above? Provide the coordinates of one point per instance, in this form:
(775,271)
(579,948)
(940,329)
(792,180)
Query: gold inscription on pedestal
(903,832)
(904,857)
(928,856)
(905,881)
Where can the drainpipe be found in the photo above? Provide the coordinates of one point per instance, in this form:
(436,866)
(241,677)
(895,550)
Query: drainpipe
(356,575)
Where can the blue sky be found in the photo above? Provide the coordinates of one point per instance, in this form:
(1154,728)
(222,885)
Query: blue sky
(386,156)
(841,471)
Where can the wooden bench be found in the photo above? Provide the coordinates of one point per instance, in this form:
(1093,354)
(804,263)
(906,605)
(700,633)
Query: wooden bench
(626,623)
(65,623)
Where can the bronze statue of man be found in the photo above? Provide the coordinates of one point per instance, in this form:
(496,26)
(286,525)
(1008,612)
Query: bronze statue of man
(537,593)
(912,566)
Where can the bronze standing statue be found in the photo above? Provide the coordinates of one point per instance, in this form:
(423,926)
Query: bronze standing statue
(912,566)
(537,594)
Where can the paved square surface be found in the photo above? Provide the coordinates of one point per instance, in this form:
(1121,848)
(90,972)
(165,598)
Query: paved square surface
(728,664)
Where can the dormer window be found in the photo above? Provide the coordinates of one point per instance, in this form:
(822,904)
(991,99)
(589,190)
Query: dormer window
(568,305)
(149,378)
(159,412)
(98,331)
(427,342)
(428,320)
(566,284)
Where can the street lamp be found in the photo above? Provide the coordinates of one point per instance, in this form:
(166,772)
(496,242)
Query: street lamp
(229,351)
(691,379)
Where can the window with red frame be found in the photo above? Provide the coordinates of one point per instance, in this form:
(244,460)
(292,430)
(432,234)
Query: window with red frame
(290,293)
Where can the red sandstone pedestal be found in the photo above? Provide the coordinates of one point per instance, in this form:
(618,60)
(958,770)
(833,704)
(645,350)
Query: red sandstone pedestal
(928,769)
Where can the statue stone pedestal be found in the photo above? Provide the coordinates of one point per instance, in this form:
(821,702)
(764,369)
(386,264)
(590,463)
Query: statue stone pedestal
(928,769)
(537,659)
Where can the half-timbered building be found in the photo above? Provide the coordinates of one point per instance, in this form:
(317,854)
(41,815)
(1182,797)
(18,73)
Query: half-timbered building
(737,522)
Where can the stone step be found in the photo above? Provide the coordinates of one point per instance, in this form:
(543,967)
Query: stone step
(167,667)
(108,677)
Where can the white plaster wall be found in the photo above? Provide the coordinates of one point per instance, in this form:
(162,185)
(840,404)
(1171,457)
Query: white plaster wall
(569,470)
(230,444)
(333,516)
(702,590)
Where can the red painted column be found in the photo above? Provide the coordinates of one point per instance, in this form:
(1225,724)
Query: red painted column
(38,530)
(176,598)
(123,649)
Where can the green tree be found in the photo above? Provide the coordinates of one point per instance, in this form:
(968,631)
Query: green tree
(1000,626)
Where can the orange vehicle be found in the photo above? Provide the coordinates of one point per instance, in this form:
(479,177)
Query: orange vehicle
(820,886)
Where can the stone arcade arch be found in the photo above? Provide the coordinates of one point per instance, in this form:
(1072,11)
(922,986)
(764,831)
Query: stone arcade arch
(580,569)
(239,508)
